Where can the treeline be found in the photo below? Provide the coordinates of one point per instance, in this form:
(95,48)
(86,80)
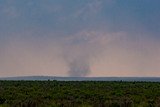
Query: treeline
(79,94)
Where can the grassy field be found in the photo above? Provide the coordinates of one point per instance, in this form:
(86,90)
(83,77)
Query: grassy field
(79,94)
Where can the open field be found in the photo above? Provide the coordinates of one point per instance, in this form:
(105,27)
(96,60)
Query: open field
(79,94)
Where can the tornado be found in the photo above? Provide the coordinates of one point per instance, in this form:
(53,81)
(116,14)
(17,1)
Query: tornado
(79,68)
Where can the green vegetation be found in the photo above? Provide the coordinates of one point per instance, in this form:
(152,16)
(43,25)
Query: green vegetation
(79,94)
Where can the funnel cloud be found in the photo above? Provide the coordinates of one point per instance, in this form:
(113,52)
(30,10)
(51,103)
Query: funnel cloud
(79,38)
(78,68)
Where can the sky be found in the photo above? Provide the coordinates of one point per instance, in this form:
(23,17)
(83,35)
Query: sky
(80,38)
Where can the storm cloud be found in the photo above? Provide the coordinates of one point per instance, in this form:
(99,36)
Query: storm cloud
(79,38)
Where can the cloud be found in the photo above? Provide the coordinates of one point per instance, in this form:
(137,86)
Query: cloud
(114,53)
(88,10)
(82,44)
(84,53)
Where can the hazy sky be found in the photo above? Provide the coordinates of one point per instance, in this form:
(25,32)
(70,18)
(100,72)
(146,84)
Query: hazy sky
(80,37)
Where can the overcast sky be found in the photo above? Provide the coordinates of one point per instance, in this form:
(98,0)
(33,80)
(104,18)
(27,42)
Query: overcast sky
(80,37)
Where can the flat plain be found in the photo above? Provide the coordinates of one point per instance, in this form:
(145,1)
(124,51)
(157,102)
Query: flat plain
(54,93)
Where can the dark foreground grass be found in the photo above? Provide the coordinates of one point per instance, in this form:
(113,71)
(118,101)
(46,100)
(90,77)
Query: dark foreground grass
(79,94)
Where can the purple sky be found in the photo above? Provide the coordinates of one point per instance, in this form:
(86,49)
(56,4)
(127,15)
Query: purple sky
(79,37)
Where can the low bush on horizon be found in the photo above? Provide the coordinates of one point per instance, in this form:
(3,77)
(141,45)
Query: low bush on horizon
(79,94)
